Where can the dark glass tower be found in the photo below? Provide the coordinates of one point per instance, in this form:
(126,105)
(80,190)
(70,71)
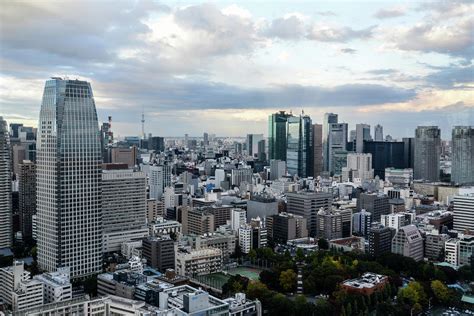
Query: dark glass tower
(69,159)
(299,153)
(277,134)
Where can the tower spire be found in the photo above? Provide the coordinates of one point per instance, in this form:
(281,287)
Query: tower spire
(143,124)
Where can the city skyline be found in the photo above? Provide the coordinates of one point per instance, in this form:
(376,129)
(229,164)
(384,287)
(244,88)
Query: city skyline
(223,68)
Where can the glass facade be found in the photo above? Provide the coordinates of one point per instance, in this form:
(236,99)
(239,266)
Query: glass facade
(299,153)
(277,133)
(69,160)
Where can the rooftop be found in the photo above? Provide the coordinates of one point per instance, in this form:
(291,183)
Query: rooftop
(367,280)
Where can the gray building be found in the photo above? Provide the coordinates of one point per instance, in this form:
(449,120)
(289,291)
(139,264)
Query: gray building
(337,142)
(69,163)
(286,226)
(362,134)
(462,168)
(124,207)
(408,242)
(361,222)
(329,224)
(299,151)
(378,133)
(261,205)
(277,169)
(159,252)
(463,210)
(307,205)
(380,239)
(434,245)
(427,153)
(27,196)
(317,149)
(5,188)
(329,118)
(376,204)
(159,179)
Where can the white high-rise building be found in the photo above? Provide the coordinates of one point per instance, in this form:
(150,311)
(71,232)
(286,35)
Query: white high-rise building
(69,167)
(378,133)
(277,169)
(463,218)
(362,134)
(359,168)
(462,170)
(159,179)
(5,188)
(124,208)
(238,217)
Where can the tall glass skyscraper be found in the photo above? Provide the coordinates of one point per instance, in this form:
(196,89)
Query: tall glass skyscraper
(5,188)
(69,162)
(299,153)
(329,118)
(277,134)
(462,170)
(427,153)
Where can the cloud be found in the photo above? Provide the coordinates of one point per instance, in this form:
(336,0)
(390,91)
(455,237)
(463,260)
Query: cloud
(390,13)
(452,77)
(290,27)
(348,50)
(387,71)
(326,13)
(325,33)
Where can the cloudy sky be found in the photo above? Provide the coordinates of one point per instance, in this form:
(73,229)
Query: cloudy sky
(223,67)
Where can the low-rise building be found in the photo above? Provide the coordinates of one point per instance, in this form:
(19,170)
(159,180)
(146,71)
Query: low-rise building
(367,284)
(459,251)
(161,226)
(57,285)
(198,262)
(159,252)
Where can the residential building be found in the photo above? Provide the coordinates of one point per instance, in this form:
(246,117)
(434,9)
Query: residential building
(159,179)
(238,217)
(462,168)
(427,153)
(252,236)
(380,240)
(459,251)
(408,242)
(69,181)
(361,222)
(198,262)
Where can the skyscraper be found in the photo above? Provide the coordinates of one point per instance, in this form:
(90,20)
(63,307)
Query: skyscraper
(329,118)
(27,196)
(378,133)
(299,153)
(337,141)
(317,149)
(159,179)
(252,144)
(463,210)
(462,171)
(408,152)
(5,188)
(277,133)
(362,134)
(385,155)
(427,153)
(69,158)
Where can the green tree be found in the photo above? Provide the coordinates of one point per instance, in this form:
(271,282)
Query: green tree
(258,290)
(413,293)
(323,244)
(300,255)
(288,280)
(252,254)
(440,291)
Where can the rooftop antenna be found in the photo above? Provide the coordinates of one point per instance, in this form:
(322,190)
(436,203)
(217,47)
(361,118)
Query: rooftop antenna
(143,124)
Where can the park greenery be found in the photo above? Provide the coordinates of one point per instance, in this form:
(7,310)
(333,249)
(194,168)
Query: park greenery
(412,287)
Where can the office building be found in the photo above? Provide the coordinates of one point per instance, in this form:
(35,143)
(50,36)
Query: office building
(408,152)
(399,177)
(317,149)
(261,205)
(307,205)
(395,220)
(286,226)
(337,142)
(156,144)
(361,223)
(462,168)
(198,262)
(5,188)
(277,135)
(159,252)
(299,153)
(362,134)
(463,218)
(161,226)
(385,155)
(378,133)
(27,197)
(18,291)
(252,236)
(241,175)
(376,204)
(127,155)
(123,207)
(329,224)
(434,245)
(329,118)
(358,168)
(69,180)
(238,217)
(380,239)
(408,242)
(197,221)
(459,251)
(159,179)
(252,144)
(277,169)
(221,239)
(427,153)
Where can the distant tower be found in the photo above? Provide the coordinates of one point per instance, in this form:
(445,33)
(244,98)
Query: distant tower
(462,171)
(427,152)
(378,132)
(143,125)
(5,187)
